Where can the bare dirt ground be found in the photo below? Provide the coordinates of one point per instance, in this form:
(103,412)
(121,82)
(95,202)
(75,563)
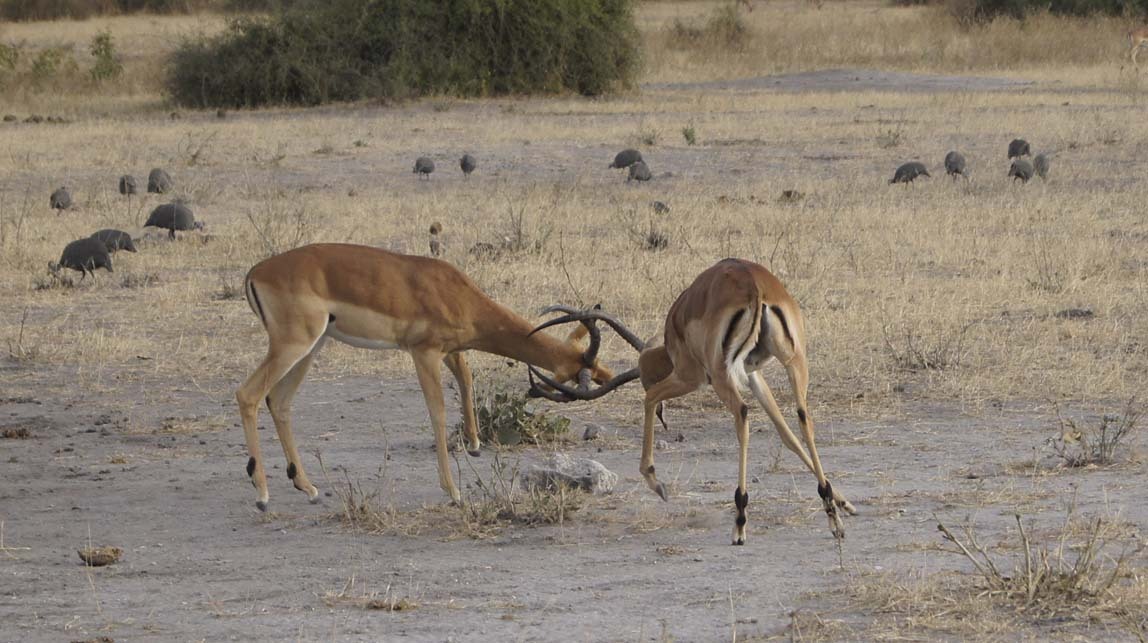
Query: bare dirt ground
(155,465)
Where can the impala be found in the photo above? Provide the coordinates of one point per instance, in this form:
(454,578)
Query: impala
(1137,38)
(371,298)
(723,329)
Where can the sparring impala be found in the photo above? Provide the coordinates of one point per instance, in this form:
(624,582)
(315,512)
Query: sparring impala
(723,329)
(371,298)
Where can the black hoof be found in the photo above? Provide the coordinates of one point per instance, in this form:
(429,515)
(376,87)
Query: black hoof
(474,454)
(739,542)
(315,500)
(260,505)
(662,493)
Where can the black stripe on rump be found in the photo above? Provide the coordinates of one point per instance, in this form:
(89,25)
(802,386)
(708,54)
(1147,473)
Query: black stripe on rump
(258,306)
(784,324)
(729,334)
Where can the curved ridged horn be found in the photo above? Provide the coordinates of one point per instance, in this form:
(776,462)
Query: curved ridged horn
(563,393)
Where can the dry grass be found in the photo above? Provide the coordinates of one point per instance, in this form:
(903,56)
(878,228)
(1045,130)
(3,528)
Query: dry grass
(951,287)
(1099,442)
(792,37)
(351,596)
(1086,577)
(937,275)
(495,501)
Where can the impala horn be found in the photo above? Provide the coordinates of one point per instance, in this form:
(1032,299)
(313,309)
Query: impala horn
(560,392)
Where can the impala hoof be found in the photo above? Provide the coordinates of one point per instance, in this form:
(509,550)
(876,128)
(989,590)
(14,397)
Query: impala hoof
(261,505)
(474,453)
(739,542)
(314,499)
(661,491)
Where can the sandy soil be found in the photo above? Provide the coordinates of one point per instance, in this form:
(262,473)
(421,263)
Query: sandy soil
(856,80)
(201,562)
(159,471)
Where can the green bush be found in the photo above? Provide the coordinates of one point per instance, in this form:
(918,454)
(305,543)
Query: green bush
(50,63)
(9,56)
(107,64)
(315,52)
(724,29)
(504,419)
(970,11)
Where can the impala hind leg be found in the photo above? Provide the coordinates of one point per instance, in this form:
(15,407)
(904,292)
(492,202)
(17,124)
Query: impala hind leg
(456,362)
(279,404)
(429,369)
(279,361)
(798,371)
(725,388)
(668,388)
(764,396)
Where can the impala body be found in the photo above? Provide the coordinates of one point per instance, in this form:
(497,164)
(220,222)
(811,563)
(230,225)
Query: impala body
(1137,38)
(371,298)
(722,330)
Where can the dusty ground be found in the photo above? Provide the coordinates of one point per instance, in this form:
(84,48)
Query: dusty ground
(200,562)
(125,387)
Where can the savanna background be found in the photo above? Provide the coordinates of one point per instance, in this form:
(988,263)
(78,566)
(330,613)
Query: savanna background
(976,346)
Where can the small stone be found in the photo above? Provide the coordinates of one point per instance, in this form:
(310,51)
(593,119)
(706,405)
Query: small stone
(591,432)
(661,445)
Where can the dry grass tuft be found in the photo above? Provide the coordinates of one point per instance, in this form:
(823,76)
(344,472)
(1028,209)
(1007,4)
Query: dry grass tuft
(1071,579)
(100,556)
(1051,581)
(490,505)
(1097,443)
(386,601)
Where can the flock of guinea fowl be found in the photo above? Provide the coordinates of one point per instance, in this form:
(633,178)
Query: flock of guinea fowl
(1021,169)
(89,254)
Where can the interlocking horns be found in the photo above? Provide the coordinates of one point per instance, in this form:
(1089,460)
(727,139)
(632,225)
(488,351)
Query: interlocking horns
(560,392)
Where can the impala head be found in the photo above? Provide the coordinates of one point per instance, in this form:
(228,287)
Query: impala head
(556,387)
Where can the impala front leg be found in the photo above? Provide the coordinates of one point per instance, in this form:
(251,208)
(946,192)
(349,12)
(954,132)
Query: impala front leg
(668,388)
(456,362)
(430,378)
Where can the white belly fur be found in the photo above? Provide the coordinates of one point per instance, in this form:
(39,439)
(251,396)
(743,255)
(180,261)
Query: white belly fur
(358,342)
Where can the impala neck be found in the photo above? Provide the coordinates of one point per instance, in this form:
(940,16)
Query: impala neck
(504,333)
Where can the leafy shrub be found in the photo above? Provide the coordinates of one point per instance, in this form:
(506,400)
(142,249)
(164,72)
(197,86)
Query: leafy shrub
(504,419)
(690,134)
(312,52)
(107,65)
(50,64)
(724,29)
(9,56)
(973,11)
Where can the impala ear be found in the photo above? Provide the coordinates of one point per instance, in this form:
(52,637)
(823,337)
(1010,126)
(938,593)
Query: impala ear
(577,334)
